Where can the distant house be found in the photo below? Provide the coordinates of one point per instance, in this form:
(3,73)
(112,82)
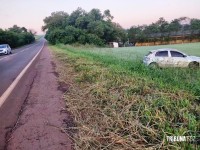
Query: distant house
(113,44)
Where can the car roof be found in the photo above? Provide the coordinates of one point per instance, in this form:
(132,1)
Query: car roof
(165,49)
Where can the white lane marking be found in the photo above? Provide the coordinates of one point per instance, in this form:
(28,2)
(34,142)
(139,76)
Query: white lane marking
(4,58)
(11,55)
(16,81)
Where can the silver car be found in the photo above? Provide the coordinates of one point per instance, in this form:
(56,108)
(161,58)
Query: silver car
(170,58)
(5,49)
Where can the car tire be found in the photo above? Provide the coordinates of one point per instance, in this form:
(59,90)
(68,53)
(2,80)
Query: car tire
(193,65)
(153,65)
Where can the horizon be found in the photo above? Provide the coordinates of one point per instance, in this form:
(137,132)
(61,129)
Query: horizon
(131,13)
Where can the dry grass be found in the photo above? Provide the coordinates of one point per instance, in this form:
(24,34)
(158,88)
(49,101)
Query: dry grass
(113,110)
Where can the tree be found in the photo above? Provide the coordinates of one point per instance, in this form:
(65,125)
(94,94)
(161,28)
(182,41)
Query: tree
(107,16)
(24,29)
(94,39)
(79,12)
(56,20)
(16,36)
(17,29)
(174,26)
(95,15)
(96,27)
(80,26)
(151,29)
(162,25)
(82,22)
(119,33)
(195,24)
(136,34)
(162,30)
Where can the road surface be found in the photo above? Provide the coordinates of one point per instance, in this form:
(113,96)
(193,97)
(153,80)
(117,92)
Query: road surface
(12,65)
(32,116)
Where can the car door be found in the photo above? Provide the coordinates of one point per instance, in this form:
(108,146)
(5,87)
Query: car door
(162,58)
(178,59)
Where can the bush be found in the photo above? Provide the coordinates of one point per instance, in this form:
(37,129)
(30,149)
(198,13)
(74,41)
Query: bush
(94,39)
(16,39)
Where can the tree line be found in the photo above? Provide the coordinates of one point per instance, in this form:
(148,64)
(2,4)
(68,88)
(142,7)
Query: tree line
(16,36)
(97,28)
(163,30)
(83,27)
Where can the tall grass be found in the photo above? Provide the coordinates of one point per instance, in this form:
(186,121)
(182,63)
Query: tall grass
(118,103)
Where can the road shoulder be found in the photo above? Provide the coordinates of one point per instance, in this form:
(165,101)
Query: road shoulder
(41,123)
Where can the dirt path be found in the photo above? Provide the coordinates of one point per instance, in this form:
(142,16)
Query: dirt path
(40,124)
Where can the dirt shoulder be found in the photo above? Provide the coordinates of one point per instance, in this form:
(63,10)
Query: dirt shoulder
(41,123)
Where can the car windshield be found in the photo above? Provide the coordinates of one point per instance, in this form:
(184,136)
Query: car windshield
(2,46)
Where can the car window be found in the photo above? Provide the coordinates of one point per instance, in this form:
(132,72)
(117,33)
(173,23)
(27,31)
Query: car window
(2,46)
(162,54)
(176,54)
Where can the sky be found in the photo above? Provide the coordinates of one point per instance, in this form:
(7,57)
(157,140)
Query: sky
(30,13)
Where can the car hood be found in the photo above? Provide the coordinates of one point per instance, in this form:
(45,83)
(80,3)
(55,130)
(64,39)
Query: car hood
(194,58)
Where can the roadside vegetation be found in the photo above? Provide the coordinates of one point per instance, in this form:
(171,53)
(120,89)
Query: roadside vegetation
(16,36)
(118,103)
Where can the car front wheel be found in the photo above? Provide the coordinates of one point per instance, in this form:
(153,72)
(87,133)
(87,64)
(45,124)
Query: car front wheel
(153,65)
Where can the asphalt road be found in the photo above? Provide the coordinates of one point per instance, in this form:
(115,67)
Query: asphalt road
(10,68)
(12,65)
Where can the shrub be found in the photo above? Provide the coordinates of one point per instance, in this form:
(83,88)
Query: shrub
(16,39)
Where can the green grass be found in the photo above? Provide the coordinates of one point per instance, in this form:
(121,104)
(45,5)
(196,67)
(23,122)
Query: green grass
(131,53)
(129,60)
(130,104)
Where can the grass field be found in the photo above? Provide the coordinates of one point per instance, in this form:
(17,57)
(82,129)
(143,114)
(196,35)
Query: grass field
(118,103)
(130,53)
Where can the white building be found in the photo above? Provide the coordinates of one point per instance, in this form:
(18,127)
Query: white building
(113,44)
